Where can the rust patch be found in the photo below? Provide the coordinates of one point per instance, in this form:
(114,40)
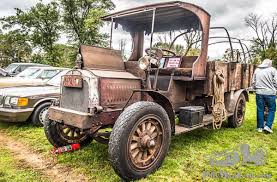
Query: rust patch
(116,92)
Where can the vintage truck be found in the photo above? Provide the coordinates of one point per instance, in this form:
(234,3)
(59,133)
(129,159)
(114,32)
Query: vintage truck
(133,105)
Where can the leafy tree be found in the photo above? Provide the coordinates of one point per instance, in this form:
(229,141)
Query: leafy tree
(227,57)
(82,19)
(190,44)
(14,47)
(41,24)
(65,56)
(265,41)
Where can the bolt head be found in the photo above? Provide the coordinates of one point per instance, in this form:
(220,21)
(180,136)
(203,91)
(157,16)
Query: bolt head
(152,143)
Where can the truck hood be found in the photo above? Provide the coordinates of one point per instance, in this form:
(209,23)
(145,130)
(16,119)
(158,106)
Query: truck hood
(29,91)
(15,81)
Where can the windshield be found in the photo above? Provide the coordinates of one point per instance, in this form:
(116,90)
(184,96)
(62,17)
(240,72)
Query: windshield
(29,73)
(11,68)
(48,74)
(56,80)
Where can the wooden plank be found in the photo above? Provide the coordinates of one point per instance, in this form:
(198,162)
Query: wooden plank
(245,75)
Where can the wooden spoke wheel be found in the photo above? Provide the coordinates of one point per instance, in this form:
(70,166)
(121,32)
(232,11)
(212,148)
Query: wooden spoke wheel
(70,133)
(139,140)
(61,135)
(145,142)
(237,119)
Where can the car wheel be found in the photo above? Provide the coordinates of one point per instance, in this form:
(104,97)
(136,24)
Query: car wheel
(39,115)
(237,119)
(139,140)
(61,135)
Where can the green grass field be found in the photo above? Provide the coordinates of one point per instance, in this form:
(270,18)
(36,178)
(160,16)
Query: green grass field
(12,170)
(186,161)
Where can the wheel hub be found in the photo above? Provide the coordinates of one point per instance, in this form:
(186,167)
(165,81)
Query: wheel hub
(43,115)
(145,142)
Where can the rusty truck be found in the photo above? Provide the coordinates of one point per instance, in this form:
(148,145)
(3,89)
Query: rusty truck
(134,106)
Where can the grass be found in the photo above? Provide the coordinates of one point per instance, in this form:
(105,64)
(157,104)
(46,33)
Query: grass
(12,170)
(188,157)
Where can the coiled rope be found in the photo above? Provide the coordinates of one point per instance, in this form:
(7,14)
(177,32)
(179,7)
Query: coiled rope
(219,111)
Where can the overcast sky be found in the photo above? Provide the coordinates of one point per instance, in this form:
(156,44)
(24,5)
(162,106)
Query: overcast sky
(227,13)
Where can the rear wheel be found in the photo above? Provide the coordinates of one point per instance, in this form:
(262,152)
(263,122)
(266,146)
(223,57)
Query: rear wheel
(140,140)
(60,135)
(103,135)
(39,115)
(237,119)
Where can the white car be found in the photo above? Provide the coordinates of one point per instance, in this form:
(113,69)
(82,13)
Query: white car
(31,76)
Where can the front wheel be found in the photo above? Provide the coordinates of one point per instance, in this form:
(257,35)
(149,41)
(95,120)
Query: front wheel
(140,140)
(61,135)
(237,119)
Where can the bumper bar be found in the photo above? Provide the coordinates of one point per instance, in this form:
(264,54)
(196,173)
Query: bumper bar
(15,115)
(70,117)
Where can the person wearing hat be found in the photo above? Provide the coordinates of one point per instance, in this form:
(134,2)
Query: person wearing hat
(265,85)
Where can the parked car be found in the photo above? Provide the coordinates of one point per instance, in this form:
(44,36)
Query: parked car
(31,76)
(16,68)
(3,72)
(29,103)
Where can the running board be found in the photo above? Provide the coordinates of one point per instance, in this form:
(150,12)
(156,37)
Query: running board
(207,120)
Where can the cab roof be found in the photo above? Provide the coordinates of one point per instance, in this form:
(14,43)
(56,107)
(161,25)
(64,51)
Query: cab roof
(176,15)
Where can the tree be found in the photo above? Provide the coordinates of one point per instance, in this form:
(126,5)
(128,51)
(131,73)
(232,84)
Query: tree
(265,40)
(190,45)
(192,40)
(41,24)
(14,47)
(227,57)
(82,19)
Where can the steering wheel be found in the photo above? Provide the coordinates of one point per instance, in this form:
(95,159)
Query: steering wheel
(158,53)
(155,53)
(172,54)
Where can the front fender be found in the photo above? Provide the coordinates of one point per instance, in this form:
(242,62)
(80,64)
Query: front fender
(44,100)
(166,104)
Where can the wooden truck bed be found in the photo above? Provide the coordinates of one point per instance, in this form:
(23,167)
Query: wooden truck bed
(237,76)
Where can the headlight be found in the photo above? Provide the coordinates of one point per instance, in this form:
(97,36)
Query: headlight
(144,62)
(155,62)
(16,101)
(1,101)
(7,101)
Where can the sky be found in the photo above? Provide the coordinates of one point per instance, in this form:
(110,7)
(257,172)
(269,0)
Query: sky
(227,13)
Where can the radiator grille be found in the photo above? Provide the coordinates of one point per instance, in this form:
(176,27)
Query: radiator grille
(75,98)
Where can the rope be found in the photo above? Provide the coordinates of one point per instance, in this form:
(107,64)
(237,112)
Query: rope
(219,111)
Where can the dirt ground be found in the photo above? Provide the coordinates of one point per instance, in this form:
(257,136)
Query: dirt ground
(47,167)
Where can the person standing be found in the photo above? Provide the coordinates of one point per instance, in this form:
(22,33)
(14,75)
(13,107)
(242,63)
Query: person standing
(265,85)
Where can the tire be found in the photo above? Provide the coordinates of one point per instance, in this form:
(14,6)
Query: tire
(237,119)
(54,132)
(39,115)
(126,127)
